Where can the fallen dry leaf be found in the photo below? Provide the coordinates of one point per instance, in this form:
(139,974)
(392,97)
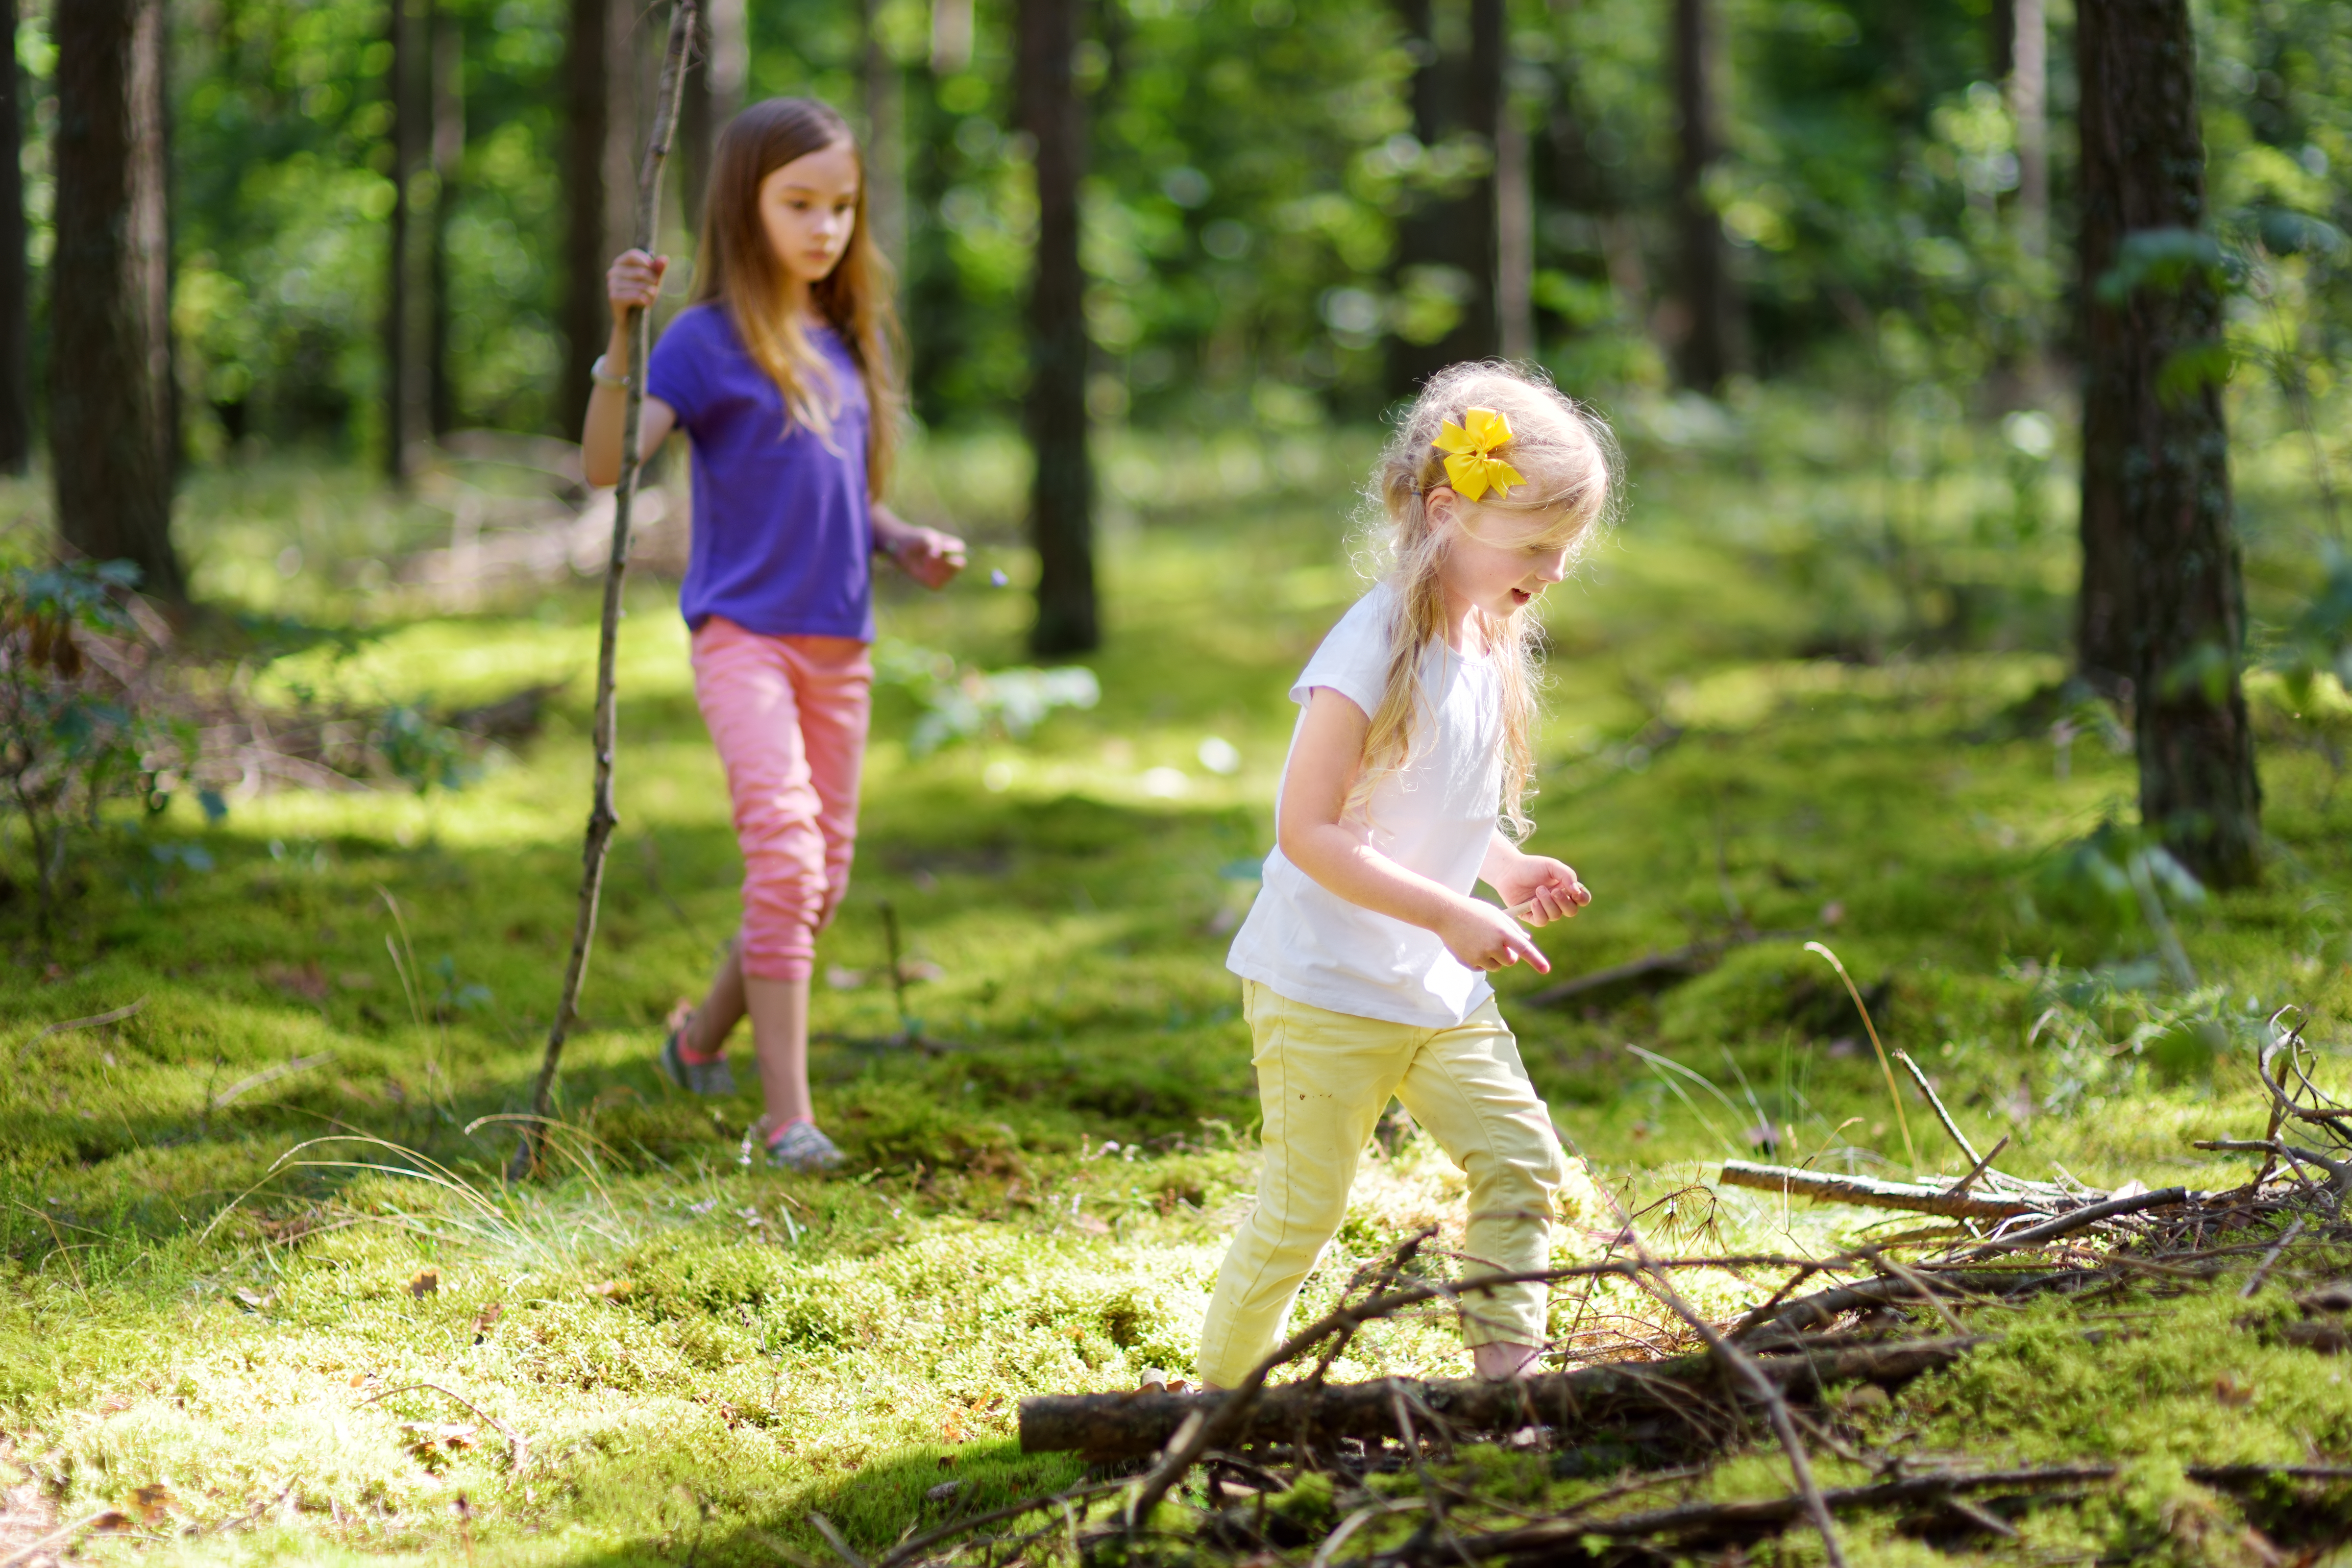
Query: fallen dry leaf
(424,1282)
(612,1289)
(308,981)
(253,1303)
(151,1503)
(2232,1393)
(487,1318)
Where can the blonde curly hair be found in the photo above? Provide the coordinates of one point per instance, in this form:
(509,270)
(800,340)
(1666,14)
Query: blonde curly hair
(1568,459)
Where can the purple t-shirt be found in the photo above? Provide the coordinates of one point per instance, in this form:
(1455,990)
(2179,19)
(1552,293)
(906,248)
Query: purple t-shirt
(783,538)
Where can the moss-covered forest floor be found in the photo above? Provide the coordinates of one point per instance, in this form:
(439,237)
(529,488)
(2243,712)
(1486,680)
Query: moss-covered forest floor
(237,1227)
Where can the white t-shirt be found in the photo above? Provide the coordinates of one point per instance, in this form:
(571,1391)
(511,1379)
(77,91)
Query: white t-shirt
(1435,816)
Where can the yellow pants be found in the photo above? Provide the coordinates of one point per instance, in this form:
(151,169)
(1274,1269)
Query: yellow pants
(1324,1078)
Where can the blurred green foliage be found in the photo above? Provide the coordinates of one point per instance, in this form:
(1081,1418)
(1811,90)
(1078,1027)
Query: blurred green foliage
(1249,161)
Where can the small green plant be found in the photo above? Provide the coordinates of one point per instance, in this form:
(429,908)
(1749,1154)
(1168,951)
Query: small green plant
(964,704)
(75,725)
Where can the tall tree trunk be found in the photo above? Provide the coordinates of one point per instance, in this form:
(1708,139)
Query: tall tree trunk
(885,139)
(16,312)
(1054,410)
(1514,234)
(2162,601)
(595,115)
(2001,40)
(109,400)
(1708,346)
(406,411)
(448,97)
(714,91)
(1446,241)
(2029,95)
(950,36)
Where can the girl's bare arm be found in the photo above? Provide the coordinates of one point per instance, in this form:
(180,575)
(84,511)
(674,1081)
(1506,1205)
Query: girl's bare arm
(1315,837)
(634,279)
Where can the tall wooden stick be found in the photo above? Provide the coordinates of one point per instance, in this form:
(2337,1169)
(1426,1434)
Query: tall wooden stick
(602,816)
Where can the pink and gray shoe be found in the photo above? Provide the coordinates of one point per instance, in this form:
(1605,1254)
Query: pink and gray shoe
(712,1078)
(799,1146)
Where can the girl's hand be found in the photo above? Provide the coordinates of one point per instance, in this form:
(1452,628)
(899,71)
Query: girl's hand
(1483,937)
(634,283)
(1549,888)
(929,556)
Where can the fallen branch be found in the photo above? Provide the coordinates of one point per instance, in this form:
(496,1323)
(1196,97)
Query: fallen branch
(269,1075)
(518,1450)
(2088,1215)
(1697,1518)
(1951,1128)
(56,1538)
(1106,1426)
(72,1024)
(1693,959)
(1868,1192)
(1750,1376)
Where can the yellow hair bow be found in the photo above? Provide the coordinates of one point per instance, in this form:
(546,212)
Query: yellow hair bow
(1472,466)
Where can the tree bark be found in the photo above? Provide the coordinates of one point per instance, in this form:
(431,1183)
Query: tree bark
(1054,410)
(885,139)
(1514,238)
(404,389)
(1123,1426)
(2029,97)
(714,91)
(448,99)
(16,313)
(2162,601)
(589,208)
(109,397)
(1447,237)
(1707,349)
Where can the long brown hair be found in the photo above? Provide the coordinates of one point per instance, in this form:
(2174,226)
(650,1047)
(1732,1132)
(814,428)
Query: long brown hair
(1570,463)
(736,267)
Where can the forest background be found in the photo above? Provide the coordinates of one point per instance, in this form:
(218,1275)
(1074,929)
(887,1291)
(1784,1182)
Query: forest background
(292,836)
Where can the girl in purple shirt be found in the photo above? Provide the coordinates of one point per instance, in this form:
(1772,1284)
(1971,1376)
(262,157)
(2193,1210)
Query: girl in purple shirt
(781,372)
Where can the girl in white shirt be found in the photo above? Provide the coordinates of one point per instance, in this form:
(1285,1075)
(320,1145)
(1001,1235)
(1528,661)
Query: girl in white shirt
(1364,960)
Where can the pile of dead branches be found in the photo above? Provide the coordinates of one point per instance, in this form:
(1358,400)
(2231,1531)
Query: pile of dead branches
(1381,1473)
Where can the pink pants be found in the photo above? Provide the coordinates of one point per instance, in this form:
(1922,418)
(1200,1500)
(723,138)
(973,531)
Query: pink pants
(788,715)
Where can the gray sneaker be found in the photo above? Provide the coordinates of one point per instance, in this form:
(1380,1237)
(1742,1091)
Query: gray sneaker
(714,1078)
(801,1147)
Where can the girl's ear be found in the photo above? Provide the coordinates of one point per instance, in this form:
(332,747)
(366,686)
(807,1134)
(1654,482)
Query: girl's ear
(1439,503)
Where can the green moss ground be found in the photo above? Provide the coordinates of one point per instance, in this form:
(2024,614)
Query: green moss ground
(698,1354)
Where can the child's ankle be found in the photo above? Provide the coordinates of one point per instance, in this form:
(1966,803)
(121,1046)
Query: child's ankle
(682,1020)
(776,1133)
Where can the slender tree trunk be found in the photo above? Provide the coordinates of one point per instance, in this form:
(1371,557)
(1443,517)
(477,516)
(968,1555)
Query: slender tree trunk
(1709,347)
(588,127)
(2162,601)
(714,91)
(885,139)
(2001,39)
(1061,498)
(16,313)
(449,96)
(407,291)
(109,400)
(2029,94)
(1446,241)
(950,36)
(1515,240)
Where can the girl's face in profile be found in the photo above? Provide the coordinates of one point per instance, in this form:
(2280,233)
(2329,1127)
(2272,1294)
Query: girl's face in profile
(1499,561)
(809,209)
